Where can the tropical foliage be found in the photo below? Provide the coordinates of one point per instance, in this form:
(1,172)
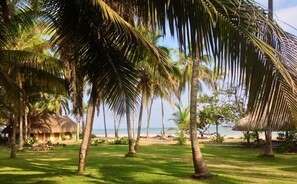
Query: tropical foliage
(99,44)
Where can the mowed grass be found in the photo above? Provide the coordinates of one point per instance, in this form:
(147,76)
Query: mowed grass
(156,163)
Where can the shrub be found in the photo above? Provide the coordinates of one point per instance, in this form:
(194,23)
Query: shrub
(96,142)
(251,136)
(3,141)
(121,141)
(49,143)
(180,138)
(218,138)
(287,144)
(92,136)
(30,142)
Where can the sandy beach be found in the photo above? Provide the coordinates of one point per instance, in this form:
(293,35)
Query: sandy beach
(156,138)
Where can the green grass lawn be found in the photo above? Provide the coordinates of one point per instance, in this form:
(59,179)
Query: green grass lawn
(156,163)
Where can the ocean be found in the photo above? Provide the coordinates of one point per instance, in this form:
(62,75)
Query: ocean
(157,131)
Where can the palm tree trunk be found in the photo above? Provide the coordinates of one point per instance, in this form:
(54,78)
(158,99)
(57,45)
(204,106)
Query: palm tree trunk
(189,92)
(149,112)
(116,135)
(201,169)
(268,145)
(131,146)
(163,118)
(83,125)
(257,136)
(26,125)
(13,137)
(137,145)
(85,145)
(21,126)
(104,120)
(217,131)
(21,134)
(5,11)
(78,118)
(134,122)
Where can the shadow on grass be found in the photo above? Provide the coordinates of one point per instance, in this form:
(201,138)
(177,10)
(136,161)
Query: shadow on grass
(154,164)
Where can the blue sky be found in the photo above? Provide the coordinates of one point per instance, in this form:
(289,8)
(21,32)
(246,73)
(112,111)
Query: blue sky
(284,10)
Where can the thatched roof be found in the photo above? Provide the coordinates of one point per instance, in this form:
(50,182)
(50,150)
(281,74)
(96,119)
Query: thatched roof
(53,124)
(50,124)
(250,123)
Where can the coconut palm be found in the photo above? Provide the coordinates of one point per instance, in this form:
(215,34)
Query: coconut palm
(185,63)
(181,118)
(148,74)
(105,54)
(234,32)
(22,59)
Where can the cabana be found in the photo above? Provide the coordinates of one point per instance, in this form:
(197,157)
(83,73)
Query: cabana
(50,128)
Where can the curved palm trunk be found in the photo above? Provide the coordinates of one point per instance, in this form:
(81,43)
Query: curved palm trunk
(131,146)
(13,135)
(85,145)
(149,112)
(137,145)
(104,120)
(163,118)
(201,169)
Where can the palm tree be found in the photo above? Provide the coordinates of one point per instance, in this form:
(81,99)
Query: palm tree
(201,169)
(232,31)
(182,118)
(185,63)
(104,55)
(23,59)
(148,75)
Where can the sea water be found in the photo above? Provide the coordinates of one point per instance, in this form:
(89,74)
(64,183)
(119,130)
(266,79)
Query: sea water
(224,131)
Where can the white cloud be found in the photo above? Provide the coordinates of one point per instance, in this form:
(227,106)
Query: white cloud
(289,16)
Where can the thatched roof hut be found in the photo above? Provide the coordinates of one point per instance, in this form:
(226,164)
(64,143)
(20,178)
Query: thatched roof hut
(250,123)
(50,124)
(53,124)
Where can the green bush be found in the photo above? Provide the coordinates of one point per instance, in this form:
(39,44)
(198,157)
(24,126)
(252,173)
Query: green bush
(96,142)
(251,136)
(180,138)
(49,143)
(30,142)
(92,136)
(218,138)
(287,144)
(121,141)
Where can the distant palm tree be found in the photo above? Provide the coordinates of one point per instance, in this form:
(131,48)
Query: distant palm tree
(149,74)
(185,63)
